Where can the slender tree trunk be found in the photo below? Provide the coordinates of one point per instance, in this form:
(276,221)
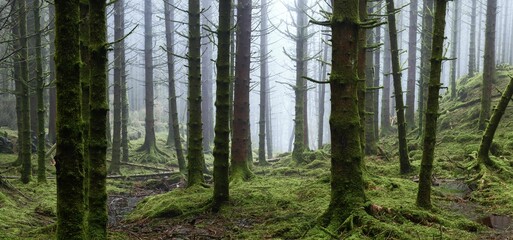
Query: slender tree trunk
(18,84)
(385,99)
(398,91)
(52,93)
(480,25)
(370,139)
(454,47)
(222,128)
(69,157)
(377,74)
(97,216)
(207,106)
(426,166)
(41,167)
(194,147)
(124,91)
(472,45)
(116,140)
(426,37)
(505,19)
(263,83)
(347,185)
(362,87)
(322,93)
(489,63)
(412,65)
(268,125)
(239,151)
(174,128)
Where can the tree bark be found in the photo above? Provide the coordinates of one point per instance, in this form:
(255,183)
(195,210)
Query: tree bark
(472,45)
(263,83)
(370,137)
(454,47)
(69,157)
(207,106)
(489,63)
(377,74)
(116,138)
(40,82)
(426,166)
(362,86)
(426,37)
(412,65)
(385,99)
(124,91)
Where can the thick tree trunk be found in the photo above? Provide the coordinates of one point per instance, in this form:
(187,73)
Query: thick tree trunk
(239,151)
(97,216)
(207,106)
(426,166)
(69,157)
(194,147)
(222,128)
(454,47)
(398,91)
(426,37)
(174,128)
(263,83)
(40,81)
(472,45)
(85,83)
(347,185)
(412,65)
(489,63)
(116,138)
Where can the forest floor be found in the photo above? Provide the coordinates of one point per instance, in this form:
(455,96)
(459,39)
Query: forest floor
(284,200)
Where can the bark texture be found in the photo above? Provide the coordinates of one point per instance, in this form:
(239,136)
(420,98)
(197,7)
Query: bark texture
(263,83)
(426,37)
(412,65)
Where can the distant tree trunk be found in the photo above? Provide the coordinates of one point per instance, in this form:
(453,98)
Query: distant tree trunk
(174,128)
(480,26)
(299,89)
(118,75)
(124,97)
(412,65)
(347,185)
(263,83)
(40,81)
(322,93)
(370,138)
(150,145)
(18,84)
(97,216)
(26,143)
(69,159)
(222,128)
(194,146)
(268,125)
(207,106)
(489,63)
(385,99)
(362,86)
(505,19)
(240,142)
(398,91)
(52,93)
(377,74)
(426,37)
(426,166)
(472,45)
(483,156)
(454,47)
(232,63)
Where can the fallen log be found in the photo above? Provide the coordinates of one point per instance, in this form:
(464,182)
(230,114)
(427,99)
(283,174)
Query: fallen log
(146,167)
(144,176)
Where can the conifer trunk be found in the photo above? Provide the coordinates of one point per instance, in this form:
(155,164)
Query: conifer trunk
(385,98)
(207,106)
(362,86)
(69,157)
(426,37)
(412,65)
(263,83)
(472,45)
(124,97)
(116,138)
(426,167)
(370,138)
(40,81)
(454,48)
(322,93)
(377,75)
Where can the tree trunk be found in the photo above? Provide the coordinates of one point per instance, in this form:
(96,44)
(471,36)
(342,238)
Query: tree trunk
(268,125)
(85,82)
(347,185)
(483,156)
(377,74)
(426,37)
(18,85)
(412,65)
(52,93)
(322,93)
(370,139)
(504,45)
(426,166)
(174,128)
(194,146)
(489,63)
(207,106)
(398,91)
(263,83)
(116,138)
(385,99)
(239,156)
(362,87)
(472,45)
(480,25)
(40,81)
(97,216)
(454,48)
(222,128)
(124,90)
(69,157)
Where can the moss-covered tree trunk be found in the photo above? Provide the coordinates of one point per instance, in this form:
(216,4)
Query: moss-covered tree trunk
(41,167)
(426,166)
(472,45)
(412,65)
(207,105)
(85,83)
(263,82)
(240,142)
(26,143)
(97,217)
(114,167)
(174,127)
(347,185)
(370,138)
(362,84)
(222,126)
(454,47)
(426,37)
(195,157)
(69,157)
(398,90)
(483,156)
(488,63)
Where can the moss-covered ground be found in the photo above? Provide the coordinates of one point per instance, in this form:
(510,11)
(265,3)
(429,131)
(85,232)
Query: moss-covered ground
(284,200)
